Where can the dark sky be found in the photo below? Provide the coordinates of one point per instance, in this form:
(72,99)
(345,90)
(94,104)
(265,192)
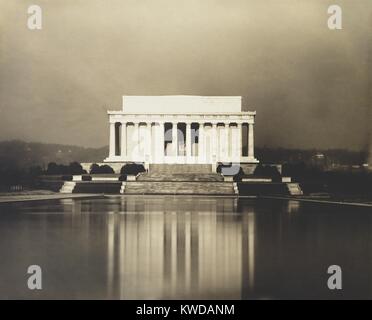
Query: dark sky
(308,84)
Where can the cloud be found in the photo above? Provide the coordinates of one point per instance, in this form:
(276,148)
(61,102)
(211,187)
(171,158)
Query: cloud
(307,82)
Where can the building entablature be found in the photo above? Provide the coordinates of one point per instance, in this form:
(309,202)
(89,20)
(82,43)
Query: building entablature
(241,117)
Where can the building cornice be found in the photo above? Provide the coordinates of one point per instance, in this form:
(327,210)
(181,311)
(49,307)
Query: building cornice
(237,117)
(242,113)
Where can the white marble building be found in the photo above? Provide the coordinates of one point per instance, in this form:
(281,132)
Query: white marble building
(181,129)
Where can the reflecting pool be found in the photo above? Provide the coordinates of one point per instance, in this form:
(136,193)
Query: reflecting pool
(143,247)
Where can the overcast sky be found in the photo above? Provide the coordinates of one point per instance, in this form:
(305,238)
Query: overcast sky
(308,84)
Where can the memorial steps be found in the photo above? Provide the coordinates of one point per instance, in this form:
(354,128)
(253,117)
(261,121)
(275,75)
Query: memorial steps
(179,179)
(157,184)
(164,179)
(180,168)
(179,188)
(151,187)
(176,179)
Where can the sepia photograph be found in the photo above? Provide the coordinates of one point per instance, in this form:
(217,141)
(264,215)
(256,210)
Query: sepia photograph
(185,155)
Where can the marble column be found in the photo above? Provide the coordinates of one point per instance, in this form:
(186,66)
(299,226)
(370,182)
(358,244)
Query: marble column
(201,141)
(240,141)
(174,139)
(188,140)
(233,142)
(214,141)
(250,141)
(148,142)
(136,141)
(160,146)
(112,140)
(220,142)
(226,142)
(123,139)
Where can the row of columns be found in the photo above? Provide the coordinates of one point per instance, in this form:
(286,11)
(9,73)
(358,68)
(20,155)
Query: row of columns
(160,139)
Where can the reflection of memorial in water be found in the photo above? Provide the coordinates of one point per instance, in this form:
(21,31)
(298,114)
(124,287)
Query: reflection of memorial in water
(158,249)
(180,247)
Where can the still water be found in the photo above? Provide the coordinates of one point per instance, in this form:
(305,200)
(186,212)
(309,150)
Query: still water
(184,248)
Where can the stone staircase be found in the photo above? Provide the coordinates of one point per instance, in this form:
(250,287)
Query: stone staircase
(68,187)
(163,176)
(180,179)
(294,189)
(180,187)
(180,168)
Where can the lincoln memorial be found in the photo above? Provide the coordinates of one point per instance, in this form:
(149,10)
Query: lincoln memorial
(181,130)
